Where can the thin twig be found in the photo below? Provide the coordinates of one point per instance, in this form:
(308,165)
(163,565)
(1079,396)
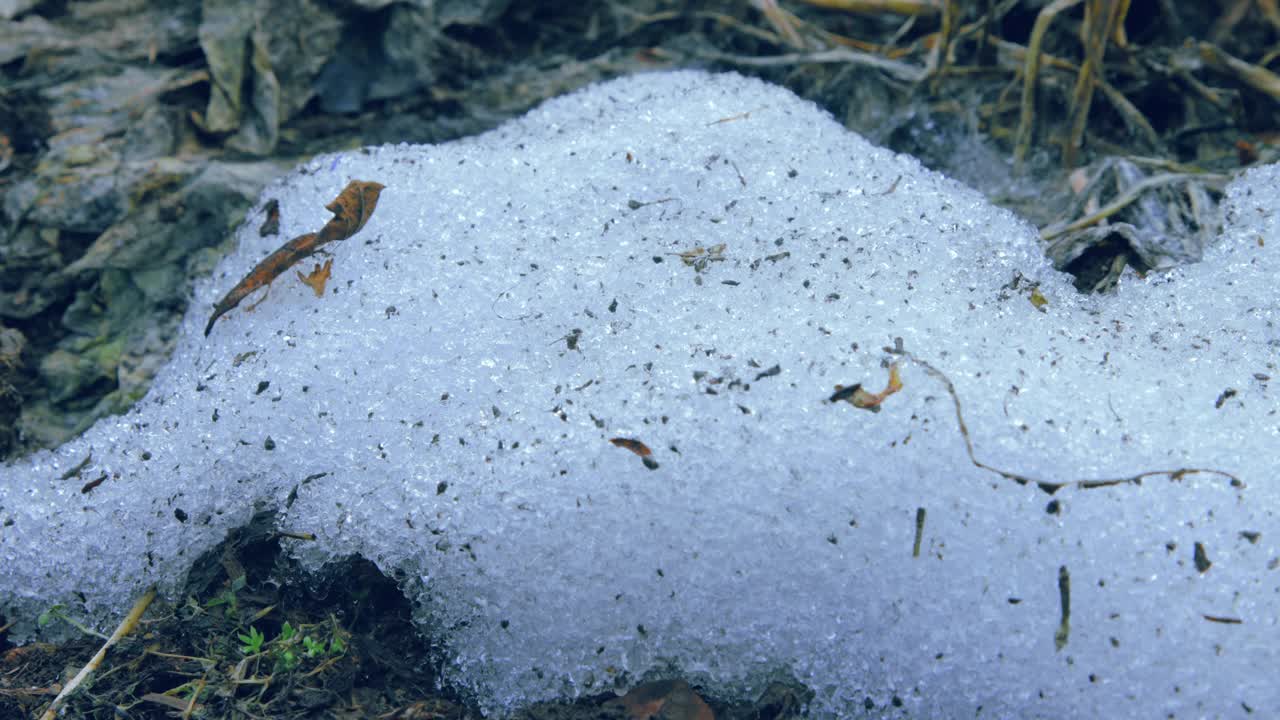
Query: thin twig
(195,695)
(1045,485)
(780,21)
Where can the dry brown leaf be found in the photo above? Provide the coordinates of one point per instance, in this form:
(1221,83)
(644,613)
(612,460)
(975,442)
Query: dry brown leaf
(89,486)
(859,397)
(318,277)
(24,653)
(1246,152)
(634,446)
(351,210)
(673,698)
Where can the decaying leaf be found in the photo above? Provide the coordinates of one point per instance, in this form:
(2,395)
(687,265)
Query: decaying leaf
(318,276)
(1246,152)
(1201,559)
(1038,299)
(921,513)
(639,448)
(6,152)
(859,397)
(673,699)
(1063,632)
(634,446)
(271,225)
(351,210)
(93,484)
(75,470)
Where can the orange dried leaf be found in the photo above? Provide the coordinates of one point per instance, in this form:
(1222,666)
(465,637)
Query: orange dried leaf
(6,151)
(859,397)
(895,382)
(351,210)
(318,276)
(671,699)
(634,446)
(1246,152)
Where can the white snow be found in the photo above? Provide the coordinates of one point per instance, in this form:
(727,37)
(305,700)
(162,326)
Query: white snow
(519,299)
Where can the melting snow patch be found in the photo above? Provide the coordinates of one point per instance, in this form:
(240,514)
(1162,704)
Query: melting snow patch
(612,389)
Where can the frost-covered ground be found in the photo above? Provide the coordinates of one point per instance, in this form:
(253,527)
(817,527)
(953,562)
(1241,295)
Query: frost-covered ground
(695,262)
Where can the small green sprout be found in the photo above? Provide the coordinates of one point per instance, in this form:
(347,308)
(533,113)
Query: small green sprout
(314,647)
(252,642)
(49,615)
(228,597)
(58,612)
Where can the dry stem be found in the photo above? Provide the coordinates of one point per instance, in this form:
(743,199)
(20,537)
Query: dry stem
(126,626)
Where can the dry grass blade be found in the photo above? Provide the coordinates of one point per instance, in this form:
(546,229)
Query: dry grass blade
(898,70)
(1255,76)
(1125,199)
(126,626)
(780,21)
(1101,17)
(940,54)
(1133,117)
(729,21)
(1026,118)
(1236,11)
(168,701)
(927,8)
(1118,35)
(1271,11)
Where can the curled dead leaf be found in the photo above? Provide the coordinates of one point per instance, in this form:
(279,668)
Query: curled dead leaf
(318,277)
(670,699)
(634,446)
(271,225)
(862,398)
(89,486)
(639,448)
(351,210)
